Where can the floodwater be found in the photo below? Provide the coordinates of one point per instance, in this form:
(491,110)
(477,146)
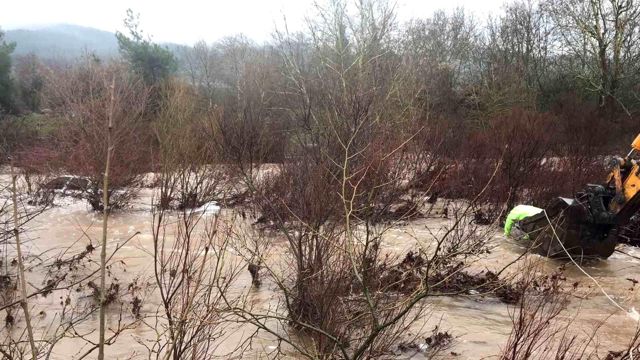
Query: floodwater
(480,325)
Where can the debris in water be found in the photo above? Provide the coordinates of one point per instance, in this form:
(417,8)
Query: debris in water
(210,208)
(254,270)
(9,320)
(136,307)
(437,341)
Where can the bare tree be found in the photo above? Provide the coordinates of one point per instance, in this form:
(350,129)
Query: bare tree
(203,67)
(340,294)
(21,274)
(105,223)
(191,172)
(82,96)
(194,272)
(439,53)
(602,35)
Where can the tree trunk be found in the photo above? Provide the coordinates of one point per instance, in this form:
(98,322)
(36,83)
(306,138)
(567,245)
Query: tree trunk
(105,219)
(23,282)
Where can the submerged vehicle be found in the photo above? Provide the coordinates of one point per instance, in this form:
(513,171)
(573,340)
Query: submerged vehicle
(588,225)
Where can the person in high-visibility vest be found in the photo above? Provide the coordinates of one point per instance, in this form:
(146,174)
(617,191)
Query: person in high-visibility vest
(518,213)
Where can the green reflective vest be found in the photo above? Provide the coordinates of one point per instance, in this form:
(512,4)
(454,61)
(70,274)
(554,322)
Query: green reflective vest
(518,213)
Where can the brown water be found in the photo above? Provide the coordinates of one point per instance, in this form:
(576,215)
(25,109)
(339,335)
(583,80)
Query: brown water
(481,325)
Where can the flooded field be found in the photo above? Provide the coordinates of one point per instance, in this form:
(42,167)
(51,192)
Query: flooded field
(479,324)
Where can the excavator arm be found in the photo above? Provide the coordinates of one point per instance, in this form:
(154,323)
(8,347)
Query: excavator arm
(626,178)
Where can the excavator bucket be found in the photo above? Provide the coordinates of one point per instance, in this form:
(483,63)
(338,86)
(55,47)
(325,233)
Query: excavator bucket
(566,229)
(588,225)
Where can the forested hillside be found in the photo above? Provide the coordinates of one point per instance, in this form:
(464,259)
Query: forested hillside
(63,41)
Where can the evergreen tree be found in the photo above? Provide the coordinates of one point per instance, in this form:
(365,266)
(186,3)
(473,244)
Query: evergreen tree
(151,61)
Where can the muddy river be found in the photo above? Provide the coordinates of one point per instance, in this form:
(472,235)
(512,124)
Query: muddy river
(480,325)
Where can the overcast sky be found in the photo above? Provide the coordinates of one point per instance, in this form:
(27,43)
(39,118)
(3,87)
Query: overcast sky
(187,21)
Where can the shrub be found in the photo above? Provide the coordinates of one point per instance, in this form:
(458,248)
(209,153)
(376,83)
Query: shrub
(87,98)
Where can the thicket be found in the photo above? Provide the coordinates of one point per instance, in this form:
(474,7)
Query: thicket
(513,89)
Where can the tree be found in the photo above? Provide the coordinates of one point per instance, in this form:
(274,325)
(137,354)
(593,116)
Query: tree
(344,166)
(29,81)
(514,63)
(149,60)
(202,65)
(603,36)
(6,83)
(439,51)
(82,96)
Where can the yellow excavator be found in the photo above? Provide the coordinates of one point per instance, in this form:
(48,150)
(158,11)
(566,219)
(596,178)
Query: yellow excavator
(588,225)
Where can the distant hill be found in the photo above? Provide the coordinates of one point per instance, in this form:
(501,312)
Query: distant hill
(63,41)
(66,41)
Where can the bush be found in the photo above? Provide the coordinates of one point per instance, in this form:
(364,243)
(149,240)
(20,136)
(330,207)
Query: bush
(86,98)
